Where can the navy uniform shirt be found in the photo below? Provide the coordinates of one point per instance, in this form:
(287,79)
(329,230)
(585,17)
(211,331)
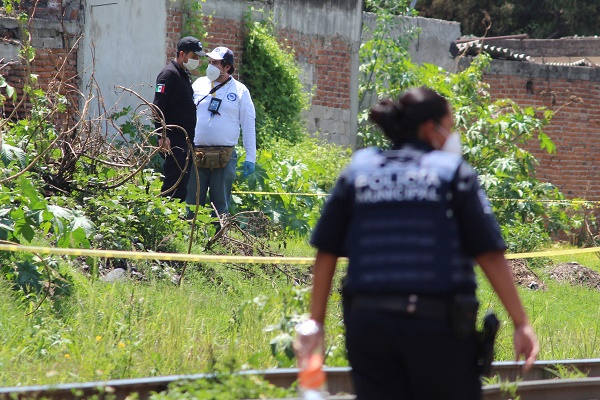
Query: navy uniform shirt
(479,231)
(174,96)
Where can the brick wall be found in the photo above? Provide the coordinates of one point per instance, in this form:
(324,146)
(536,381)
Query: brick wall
(57,73)
(228,33)
(575,130)
(328,56)
(174,26)
(54,35)
(324,49)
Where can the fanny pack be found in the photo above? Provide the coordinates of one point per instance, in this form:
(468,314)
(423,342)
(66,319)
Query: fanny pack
(213,156)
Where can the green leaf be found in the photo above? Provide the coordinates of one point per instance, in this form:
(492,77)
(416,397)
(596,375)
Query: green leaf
(60,212)
(28,276)
(546,143)
(12,153)
(11,92)
(83,223)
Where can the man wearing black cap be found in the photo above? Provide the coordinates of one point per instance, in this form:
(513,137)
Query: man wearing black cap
(173,97)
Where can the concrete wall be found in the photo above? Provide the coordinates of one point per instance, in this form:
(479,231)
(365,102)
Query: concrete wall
(123,44)
(127,43)
(325,36)
(432,42)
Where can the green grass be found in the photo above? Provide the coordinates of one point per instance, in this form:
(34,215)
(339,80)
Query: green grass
(566,318)
(111,331)
(217,320)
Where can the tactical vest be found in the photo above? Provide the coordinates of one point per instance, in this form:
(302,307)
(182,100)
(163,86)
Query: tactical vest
(404,237)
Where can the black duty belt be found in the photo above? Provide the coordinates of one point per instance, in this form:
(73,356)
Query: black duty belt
(413,304)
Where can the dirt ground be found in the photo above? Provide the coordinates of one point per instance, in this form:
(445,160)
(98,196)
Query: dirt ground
(523,276)
(575,274)
(571,273)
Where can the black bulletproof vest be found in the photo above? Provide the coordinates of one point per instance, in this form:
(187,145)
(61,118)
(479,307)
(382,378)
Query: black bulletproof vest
(404,236)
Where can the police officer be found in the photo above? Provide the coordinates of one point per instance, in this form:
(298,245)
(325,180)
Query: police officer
(173,96)
(411,221)
(224,107)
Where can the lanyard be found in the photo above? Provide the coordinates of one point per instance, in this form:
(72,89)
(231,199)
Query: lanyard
(213,90)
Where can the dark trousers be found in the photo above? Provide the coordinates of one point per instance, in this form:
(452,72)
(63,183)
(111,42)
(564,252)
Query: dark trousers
(403,357)
(174,167)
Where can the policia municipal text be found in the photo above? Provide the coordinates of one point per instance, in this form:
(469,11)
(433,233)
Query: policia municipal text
(412,221)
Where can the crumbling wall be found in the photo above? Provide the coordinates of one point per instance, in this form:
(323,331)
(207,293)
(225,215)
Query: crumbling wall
(54,32)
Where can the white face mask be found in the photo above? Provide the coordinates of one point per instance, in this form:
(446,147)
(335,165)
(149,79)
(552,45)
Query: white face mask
(212,72)
(191,64)
(452,143)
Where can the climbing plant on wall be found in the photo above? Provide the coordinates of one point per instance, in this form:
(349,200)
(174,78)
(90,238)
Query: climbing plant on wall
(193,23)
(274,82)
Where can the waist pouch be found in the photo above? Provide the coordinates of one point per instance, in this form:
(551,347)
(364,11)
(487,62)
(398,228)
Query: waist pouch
(213,156)
(460,311)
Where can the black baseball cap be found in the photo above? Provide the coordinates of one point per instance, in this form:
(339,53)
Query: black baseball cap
(190,43)
(223,53)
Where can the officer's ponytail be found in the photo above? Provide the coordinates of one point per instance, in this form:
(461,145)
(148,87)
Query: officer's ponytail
(400,121)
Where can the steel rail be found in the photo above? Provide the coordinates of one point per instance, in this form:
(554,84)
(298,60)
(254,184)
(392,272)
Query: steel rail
(548,389)
(539,383)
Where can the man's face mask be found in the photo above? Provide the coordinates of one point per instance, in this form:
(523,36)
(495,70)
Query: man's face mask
(191,64)
(212,72)
(452,143)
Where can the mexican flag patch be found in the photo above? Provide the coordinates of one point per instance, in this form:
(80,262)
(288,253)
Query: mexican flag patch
(160,88)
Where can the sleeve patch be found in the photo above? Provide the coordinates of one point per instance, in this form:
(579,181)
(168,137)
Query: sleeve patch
(161,88)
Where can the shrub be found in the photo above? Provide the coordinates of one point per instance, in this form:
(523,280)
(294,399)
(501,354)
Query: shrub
(299,177)
(273,80)
(132,217)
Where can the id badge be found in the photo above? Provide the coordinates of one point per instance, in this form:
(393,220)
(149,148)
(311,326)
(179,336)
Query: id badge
(214,105)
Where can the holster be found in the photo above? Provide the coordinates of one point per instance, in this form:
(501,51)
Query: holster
(486,342)
(213,156)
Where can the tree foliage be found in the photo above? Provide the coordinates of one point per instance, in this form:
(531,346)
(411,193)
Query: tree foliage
(494,132)
(538,18)
(273,78)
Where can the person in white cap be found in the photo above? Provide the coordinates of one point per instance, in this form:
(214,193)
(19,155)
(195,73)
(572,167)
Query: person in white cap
(223,106)
(173,98)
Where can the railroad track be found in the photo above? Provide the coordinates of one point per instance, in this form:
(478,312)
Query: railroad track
(538,384)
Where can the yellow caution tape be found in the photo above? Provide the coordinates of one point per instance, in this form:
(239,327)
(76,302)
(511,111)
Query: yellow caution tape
(563,201)
(283,193)
(550,253)
(229,259)
(156,256)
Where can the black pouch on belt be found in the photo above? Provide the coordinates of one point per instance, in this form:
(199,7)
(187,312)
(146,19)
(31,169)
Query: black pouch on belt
(463,315)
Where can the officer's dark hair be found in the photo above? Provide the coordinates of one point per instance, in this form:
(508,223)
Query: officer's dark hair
(400,121)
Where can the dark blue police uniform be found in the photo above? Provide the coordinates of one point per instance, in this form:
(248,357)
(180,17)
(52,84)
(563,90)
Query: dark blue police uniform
(174,96)
(410,220)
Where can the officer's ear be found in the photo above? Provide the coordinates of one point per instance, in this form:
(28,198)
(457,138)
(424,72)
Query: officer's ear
(429,133)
